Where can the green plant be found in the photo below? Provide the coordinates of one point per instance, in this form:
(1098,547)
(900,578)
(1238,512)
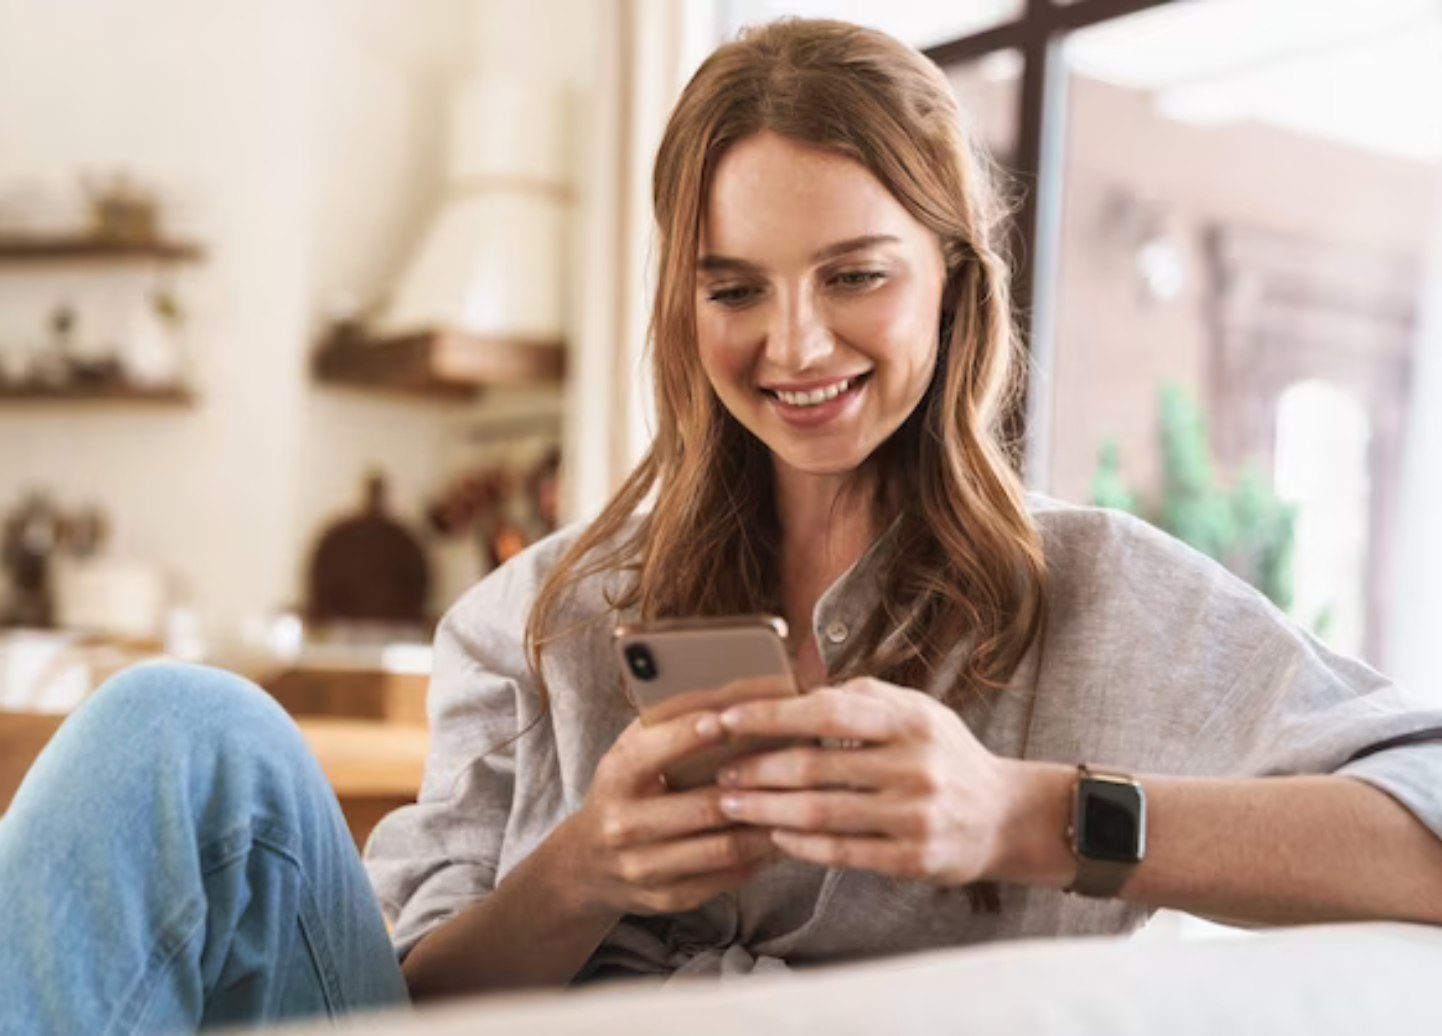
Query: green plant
(1245,527)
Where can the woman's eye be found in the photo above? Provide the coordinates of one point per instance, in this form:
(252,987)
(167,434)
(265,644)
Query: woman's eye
(855,280)
(732,296)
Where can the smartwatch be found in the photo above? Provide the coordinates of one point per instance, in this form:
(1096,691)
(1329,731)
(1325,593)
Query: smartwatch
(1108,831)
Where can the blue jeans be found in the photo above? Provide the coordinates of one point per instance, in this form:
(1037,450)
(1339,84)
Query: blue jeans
(175,859)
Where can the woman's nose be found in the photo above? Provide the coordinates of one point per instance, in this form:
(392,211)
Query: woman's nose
(797,337)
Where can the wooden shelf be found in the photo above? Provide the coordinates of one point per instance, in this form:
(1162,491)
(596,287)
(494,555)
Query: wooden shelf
(96,394)
(443,364)
(16,250)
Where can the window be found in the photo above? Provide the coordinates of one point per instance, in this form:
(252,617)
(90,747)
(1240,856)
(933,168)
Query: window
(1323,439)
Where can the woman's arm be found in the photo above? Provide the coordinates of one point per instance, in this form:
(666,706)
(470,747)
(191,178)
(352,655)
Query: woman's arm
(632,848)
(1275,850)
(533,930)
(924,799)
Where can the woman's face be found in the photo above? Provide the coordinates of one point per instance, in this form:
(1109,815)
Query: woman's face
(818,303)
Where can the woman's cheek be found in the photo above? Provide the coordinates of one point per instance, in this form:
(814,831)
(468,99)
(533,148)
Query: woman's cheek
(710,345)
(878,325)
(723,345)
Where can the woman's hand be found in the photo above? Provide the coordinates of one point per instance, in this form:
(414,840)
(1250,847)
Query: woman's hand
(637,847)
(920,798)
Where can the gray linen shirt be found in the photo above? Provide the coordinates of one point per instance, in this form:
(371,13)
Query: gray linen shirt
(1153,660)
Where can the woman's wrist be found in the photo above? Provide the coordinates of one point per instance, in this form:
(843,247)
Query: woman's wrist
(564,870)
(537,928)
(1032,847)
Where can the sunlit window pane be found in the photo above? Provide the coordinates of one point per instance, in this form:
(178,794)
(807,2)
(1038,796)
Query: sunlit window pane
(1249,197)
(1323,436)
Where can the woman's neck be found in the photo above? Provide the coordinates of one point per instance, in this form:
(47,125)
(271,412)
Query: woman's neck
(821,521)
(825,529)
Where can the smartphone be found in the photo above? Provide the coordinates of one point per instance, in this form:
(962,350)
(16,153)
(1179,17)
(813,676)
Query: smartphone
(676,666)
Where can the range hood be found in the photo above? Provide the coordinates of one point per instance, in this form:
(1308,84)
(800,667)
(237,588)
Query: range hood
(482,300)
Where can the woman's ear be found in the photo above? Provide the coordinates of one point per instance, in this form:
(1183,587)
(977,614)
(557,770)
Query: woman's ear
(948,321)
(951,292)
(949,297)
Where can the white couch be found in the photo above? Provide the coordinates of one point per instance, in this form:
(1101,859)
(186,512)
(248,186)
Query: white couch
(1337,980)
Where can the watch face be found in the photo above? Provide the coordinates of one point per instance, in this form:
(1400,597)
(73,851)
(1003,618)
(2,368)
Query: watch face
(1110,821)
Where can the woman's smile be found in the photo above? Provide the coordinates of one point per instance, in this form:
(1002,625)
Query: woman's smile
(817,404)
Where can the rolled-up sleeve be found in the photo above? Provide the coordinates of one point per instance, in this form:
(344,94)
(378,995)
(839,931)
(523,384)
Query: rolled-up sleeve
(1411,775)
(430,860)
(1301,708)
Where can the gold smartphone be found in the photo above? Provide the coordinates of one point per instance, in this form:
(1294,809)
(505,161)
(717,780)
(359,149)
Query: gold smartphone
(676,666)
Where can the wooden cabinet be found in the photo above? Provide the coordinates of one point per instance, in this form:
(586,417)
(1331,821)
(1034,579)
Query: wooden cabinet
(372,767)
(22,736)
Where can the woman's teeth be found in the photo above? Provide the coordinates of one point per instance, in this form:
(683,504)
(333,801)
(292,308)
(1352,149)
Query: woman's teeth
(816,396)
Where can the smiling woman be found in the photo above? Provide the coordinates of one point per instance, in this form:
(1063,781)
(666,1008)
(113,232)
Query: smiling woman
(832,345)
(831,326)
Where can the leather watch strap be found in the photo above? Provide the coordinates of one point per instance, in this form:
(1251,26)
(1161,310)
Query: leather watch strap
(1100,879)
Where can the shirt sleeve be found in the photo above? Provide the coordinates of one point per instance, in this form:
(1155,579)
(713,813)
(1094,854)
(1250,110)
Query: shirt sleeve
(1160,660)
(1298,707)
(430,860)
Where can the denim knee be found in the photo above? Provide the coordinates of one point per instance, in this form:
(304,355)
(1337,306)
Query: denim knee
(172,704)
(183,700)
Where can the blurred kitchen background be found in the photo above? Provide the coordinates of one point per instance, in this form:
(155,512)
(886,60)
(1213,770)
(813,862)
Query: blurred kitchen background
(311,312)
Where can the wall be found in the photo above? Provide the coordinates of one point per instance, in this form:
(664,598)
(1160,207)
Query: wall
(302,144)
(645,52)
(403,90)
(174,93)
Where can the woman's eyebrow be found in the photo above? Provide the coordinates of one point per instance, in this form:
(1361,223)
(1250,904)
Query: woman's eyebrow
(710,263)
(724,264)
(853,244)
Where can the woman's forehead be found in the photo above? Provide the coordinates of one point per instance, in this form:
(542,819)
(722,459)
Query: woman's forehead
(774,195)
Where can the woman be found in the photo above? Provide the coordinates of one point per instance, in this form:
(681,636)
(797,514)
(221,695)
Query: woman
(833,348)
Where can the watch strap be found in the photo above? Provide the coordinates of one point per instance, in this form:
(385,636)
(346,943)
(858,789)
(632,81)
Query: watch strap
(1099,879)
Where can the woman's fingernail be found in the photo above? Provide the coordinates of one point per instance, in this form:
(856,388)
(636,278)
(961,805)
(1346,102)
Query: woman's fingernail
(731,804)
(708,726)
(726,778)
(731,717)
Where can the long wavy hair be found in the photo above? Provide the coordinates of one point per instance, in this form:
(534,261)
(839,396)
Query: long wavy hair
(965,561)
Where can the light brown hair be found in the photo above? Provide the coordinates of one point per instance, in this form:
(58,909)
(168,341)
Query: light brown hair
(966,561)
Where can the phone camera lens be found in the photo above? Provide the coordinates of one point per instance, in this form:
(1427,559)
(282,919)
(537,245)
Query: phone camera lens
(641,662)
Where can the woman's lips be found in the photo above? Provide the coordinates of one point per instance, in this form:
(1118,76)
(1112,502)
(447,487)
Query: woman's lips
(807,408)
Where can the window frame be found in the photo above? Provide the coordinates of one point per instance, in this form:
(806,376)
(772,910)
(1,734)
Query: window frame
(1038,33)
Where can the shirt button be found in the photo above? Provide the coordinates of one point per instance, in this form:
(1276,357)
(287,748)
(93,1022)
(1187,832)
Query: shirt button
(836,631)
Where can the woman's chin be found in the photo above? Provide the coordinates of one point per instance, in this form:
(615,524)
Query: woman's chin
(817,463)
